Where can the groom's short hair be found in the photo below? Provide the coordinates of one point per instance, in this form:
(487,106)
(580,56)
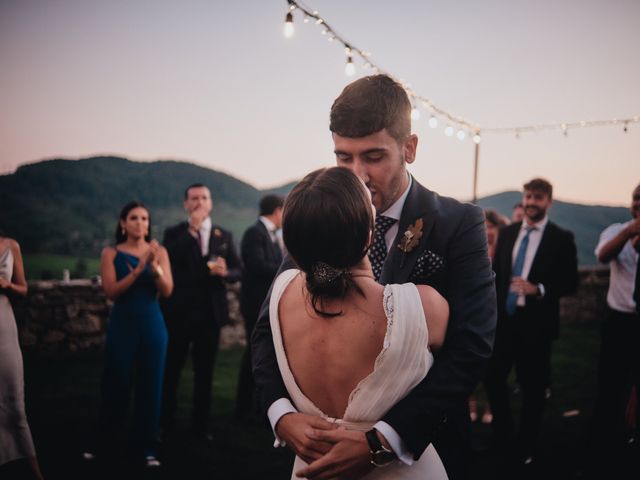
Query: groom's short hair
(369,105)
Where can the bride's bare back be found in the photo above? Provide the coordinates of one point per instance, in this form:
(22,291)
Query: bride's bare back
(329,356)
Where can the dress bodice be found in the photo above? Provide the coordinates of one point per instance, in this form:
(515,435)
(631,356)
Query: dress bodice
(143,290)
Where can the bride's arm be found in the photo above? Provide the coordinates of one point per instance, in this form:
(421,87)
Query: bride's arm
(436,311)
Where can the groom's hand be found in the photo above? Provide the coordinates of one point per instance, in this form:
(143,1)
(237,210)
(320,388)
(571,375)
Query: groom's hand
(349,456)
(292,427)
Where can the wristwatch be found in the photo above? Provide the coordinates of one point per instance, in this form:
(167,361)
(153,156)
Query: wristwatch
(381,456)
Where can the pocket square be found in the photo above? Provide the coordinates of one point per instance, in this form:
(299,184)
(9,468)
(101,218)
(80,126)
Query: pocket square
(427,264)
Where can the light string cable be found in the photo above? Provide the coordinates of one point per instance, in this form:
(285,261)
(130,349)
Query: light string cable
(453,122)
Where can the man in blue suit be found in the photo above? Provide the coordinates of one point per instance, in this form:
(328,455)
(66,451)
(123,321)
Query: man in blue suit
(371,127)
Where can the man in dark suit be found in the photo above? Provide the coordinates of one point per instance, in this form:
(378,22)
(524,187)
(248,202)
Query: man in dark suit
(261,256)
(535,264)
(420,237)
(203,259)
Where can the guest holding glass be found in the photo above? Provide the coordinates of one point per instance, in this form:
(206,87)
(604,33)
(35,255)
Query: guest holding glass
(134,273)
(15,436)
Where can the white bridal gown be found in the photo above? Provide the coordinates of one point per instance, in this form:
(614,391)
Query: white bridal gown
(402,363)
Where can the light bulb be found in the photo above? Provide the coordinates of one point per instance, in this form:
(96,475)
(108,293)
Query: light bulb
(476,138)
(288,25)
(433,122)
(350,68)
(448,131)
(460,134)
(415,114)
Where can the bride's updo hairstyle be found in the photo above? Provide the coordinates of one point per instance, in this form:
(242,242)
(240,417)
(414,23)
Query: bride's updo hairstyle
(326,225)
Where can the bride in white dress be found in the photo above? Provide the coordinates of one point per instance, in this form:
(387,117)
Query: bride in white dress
(348,348)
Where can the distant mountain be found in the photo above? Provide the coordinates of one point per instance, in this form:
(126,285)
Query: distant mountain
(585,221)
(71,206)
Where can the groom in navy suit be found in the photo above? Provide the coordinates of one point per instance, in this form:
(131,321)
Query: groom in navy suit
(422,238)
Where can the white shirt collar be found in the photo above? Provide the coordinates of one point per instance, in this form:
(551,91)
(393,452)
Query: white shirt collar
(395,210)
(206,225)
(538,226)
(271,228)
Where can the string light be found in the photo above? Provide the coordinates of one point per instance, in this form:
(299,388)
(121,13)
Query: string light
(288,25)
(476,138)
(461,134)
(436,112)
(415,114)
(350,68)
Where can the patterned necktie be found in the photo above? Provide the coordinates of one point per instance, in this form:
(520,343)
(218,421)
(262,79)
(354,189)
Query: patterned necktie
(378,252)
(516,271)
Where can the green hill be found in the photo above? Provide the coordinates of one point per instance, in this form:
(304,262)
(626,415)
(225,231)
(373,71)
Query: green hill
(70,207)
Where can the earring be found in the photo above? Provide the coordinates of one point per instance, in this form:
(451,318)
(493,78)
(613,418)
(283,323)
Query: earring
(124,232)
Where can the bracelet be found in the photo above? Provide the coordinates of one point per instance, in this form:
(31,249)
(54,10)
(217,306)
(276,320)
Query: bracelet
(157,272)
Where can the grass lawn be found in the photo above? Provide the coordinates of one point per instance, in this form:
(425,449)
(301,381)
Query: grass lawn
(46,266)
(62,398)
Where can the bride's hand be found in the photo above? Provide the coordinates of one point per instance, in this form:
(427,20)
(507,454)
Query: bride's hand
(349,456)
(292,429)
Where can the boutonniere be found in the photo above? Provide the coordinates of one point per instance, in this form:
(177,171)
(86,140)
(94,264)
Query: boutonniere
(217,232)
(411,237)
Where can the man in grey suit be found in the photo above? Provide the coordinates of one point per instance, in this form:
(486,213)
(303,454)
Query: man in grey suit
(422,238)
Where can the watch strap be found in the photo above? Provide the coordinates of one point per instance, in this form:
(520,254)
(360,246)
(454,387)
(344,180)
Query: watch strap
(372,439)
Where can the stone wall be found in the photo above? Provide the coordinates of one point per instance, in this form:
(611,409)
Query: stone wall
(59,317)
(62,317)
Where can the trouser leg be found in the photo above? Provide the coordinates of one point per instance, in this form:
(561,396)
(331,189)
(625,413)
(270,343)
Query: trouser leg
(149,385)
(205,349)
(177,348)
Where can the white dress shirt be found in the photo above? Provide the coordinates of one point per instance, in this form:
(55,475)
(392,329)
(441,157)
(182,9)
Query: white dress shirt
(534,242)
(394,211)
(205,235)
(622,278)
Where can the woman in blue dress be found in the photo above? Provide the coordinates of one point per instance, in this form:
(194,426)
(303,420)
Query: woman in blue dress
(134,273)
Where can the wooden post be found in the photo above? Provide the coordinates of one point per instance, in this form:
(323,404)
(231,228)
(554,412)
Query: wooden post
(475,174)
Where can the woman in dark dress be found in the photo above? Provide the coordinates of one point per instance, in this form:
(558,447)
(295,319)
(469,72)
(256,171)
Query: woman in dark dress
(134,273)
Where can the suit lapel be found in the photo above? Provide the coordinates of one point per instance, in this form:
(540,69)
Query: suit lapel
(541,253)
(273,249)
(418,204)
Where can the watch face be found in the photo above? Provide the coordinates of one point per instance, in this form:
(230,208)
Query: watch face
(383,457)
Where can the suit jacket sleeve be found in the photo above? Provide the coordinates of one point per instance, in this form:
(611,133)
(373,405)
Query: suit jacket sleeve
(234,264)
(459,365)
(269,384)
(565,280)
(253,254)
